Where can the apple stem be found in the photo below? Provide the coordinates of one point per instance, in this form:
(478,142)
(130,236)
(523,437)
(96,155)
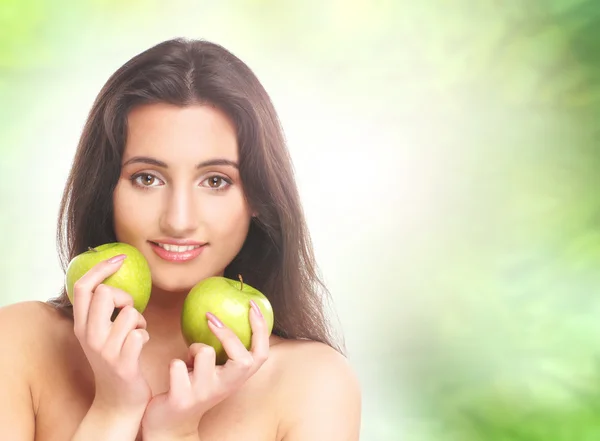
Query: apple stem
(241,282)
(93,249)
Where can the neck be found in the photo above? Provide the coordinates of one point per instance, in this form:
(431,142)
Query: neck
(163,316)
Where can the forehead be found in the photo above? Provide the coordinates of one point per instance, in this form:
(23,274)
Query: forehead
(179,134)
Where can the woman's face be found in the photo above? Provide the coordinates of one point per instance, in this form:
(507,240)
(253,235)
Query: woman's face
(179,199)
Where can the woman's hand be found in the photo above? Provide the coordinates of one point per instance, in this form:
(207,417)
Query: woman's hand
(113,349)
(176,413)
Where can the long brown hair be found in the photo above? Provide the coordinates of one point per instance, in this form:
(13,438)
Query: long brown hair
(277,257)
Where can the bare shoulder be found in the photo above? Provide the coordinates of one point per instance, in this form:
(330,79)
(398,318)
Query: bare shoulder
(25,309)
(20,322)
(26,330)
(320,393)
(312,356)
(31,330)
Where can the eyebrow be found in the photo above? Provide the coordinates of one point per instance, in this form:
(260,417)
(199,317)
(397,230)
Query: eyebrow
(156,162)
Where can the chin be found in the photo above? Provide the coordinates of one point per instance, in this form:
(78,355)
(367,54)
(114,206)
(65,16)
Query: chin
(173,288)
(170,283)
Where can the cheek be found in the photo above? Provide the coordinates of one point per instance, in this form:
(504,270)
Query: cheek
(229,218)
(129,217)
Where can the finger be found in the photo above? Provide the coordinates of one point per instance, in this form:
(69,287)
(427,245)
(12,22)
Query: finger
(98,323)
(104,301)
(240,364)
(180,386)
(232,345)
(127,320)
(120,298)
(83,288)
(132,349)
(204,359)
(260,335)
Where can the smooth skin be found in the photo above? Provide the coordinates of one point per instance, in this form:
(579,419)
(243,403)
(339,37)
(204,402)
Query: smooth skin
(135,378)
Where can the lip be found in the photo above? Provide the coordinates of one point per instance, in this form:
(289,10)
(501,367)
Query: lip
(173,256)
(181,242)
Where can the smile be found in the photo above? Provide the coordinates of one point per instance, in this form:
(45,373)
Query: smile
(177,253)
(178,248)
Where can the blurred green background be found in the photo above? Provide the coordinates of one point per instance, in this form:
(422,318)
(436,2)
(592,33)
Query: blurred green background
(447,156)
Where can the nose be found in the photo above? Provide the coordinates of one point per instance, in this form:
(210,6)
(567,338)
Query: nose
(179,217)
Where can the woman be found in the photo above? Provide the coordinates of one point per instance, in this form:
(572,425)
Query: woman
(183,158)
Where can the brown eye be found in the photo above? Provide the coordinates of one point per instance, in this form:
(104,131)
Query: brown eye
(145,180)
(215,181)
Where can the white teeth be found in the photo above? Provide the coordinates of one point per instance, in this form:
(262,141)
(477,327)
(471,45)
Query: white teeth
(178,248)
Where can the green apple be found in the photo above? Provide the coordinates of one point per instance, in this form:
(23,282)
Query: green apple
(133,276)
(229,300)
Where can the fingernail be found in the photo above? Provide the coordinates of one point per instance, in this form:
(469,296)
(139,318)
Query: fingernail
(118,258)
(214,320)
(256,308)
